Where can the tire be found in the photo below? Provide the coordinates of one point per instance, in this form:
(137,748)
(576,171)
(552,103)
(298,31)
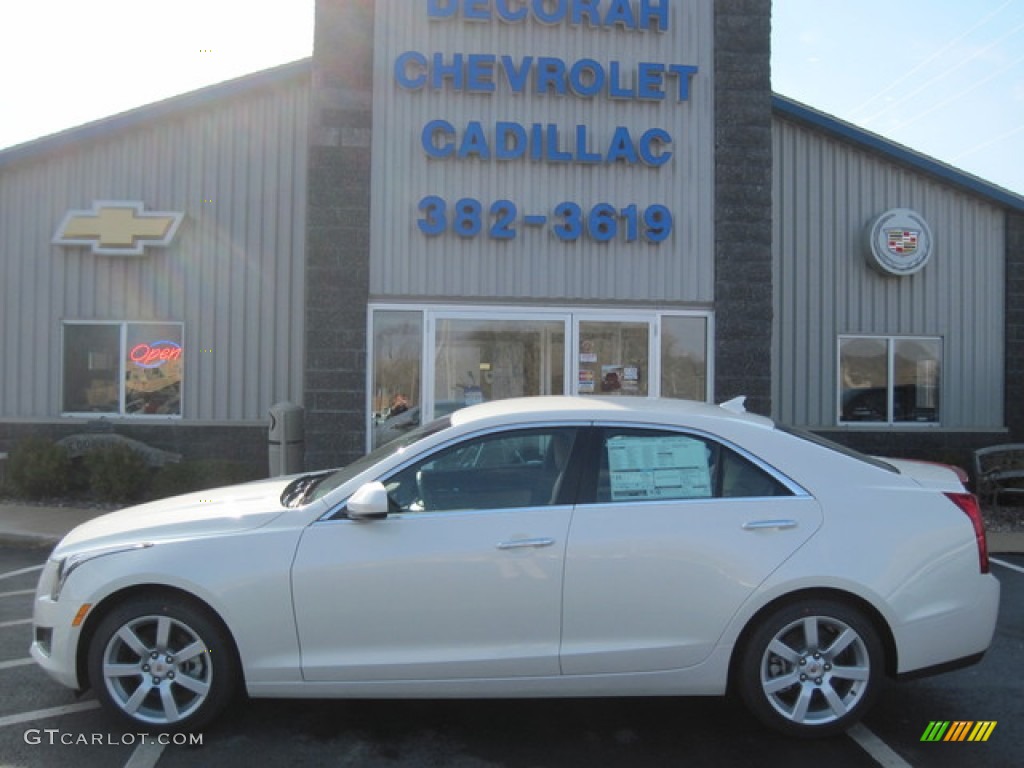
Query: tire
(811,669)
(162,664)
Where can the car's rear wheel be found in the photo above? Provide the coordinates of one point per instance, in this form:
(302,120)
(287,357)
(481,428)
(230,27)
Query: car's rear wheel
(812,668)
(163,664)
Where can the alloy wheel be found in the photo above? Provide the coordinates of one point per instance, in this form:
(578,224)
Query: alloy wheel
(157,669)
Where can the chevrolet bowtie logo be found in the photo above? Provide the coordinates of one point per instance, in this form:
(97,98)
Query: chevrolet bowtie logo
(118,228)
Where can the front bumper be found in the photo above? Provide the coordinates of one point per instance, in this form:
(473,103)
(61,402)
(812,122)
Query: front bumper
(58,658)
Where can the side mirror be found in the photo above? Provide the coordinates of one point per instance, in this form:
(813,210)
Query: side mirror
(370,502)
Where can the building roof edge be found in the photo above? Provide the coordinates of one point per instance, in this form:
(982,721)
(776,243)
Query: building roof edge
(801,113)
(148,113)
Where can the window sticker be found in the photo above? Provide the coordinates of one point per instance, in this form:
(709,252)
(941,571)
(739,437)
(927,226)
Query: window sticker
(666,467)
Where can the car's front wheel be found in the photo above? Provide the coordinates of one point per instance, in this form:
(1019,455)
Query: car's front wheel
(811,668)
(163,664)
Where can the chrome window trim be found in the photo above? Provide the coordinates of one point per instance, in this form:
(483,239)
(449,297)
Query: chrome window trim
(329,516)
(797,490)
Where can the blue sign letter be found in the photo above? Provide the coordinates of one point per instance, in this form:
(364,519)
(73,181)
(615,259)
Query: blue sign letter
(647,144)
(441,128)
(402,65)
(441,9)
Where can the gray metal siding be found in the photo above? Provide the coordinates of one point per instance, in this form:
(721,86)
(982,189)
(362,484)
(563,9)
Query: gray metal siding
(825,195)
(233,275)
(536,265)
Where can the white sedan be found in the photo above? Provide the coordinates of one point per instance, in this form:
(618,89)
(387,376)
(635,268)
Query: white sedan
(529,548)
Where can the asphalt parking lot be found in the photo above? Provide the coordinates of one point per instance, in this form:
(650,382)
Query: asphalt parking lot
(43,724)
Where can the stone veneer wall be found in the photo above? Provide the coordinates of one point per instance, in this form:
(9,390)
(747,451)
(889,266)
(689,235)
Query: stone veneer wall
(743,202)
(243,444)
(338,233)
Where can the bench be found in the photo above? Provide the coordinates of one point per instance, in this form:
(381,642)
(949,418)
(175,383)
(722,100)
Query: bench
(999,470)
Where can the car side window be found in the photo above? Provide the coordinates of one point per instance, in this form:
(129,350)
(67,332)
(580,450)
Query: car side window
(503,470)
(651,465)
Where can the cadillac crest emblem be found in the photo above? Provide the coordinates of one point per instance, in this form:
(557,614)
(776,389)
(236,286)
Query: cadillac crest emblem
(900,242)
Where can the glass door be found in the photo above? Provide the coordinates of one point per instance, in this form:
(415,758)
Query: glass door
(428,361)
(479,359)
(614,357)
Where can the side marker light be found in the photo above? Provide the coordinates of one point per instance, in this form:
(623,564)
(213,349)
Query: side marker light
(80,616)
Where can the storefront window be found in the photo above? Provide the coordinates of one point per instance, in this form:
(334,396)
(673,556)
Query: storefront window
(890,380)
(684,362)
(397,372)
(153,369)
(147,358)
(479,360)
(428,361)
(614,358)
(917,374)
(92,368)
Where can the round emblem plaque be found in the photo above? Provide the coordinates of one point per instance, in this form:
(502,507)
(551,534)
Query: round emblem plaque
(900,242)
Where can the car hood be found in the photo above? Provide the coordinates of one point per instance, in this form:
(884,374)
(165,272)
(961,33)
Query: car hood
(204,513)
(939,476)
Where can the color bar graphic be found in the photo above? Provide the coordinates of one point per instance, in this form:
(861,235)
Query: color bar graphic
(959,730)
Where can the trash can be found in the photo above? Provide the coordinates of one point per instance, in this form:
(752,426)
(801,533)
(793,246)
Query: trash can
(287,439)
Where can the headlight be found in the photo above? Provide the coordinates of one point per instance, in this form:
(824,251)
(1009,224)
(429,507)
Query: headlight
(48,578)
(57,571)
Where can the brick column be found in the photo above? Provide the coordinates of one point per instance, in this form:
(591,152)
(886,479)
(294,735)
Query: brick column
(338,232)
(743,202)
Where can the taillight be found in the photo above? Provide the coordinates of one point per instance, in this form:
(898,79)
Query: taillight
(968,502)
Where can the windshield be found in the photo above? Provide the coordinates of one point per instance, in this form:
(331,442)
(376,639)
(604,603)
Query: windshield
(343,475)
(837,447)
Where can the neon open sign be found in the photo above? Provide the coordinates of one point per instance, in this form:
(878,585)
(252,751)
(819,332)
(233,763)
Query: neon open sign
(154,355)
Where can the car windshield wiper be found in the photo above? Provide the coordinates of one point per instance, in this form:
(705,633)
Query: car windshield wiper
(297,491)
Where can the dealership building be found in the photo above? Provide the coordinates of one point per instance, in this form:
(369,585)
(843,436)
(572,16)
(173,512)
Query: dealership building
(456,201)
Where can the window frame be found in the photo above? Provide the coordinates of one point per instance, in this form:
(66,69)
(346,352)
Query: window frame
(891,342)
(120,413)
(570,477)
(594,444)
(569,315)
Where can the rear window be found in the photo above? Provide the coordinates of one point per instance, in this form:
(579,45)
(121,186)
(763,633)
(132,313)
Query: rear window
(838,448)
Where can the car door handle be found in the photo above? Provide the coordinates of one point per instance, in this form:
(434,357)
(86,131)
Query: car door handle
(760,525)
(525,543)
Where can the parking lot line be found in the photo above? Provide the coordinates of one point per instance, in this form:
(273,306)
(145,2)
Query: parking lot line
(146,755)
(1005,564)
(43,714)
(16,663)
(14,623)
(20,571)
(882,753)
(18,592)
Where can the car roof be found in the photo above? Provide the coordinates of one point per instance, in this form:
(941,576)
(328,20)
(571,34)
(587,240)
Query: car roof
(597,408)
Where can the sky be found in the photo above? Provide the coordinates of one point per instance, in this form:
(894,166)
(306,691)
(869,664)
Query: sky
(941,77)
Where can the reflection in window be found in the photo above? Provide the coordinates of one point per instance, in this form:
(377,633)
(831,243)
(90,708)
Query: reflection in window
(478,360)
(153,369)
(916,380)
(613,358)
(430,361)
(890,379)
(522,468)
(147,357)
(91,368)
(684,368)
(864,372)
(397,366)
